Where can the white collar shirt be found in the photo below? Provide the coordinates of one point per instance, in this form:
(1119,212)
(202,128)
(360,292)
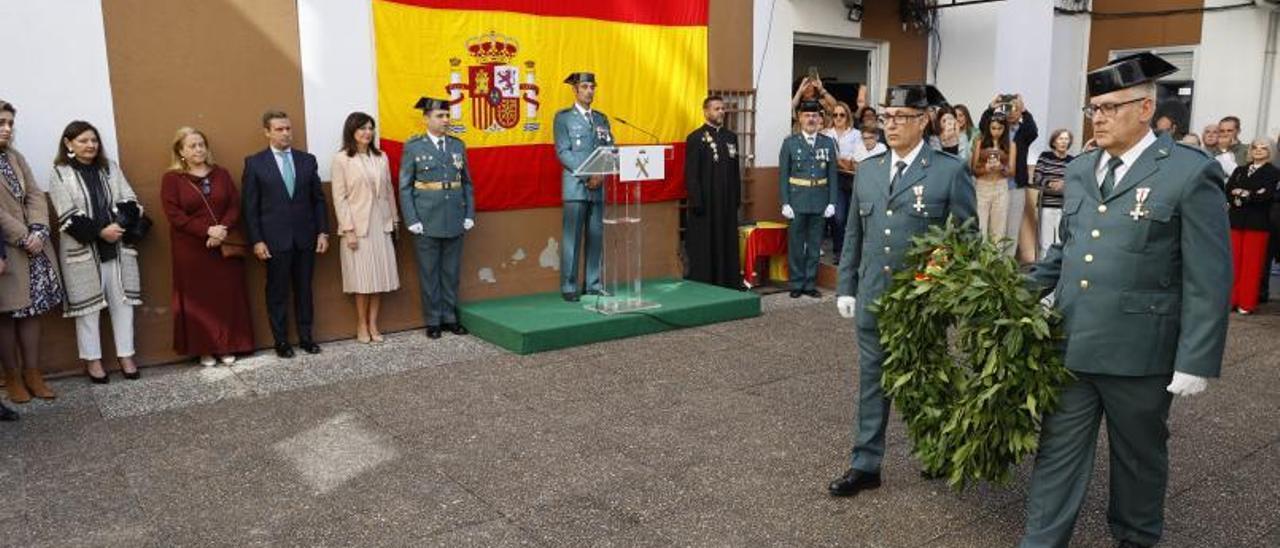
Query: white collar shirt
(1129,158)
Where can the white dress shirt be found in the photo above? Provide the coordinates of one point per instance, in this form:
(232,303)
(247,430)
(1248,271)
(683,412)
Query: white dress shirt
(910,157)
(279,156)
(1129,157)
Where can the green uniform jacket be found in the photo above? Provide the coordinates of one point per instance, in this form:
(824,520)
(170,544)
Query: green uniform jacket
(1145,296)
(881,226)
(441,212)
(576,138)
(798,159)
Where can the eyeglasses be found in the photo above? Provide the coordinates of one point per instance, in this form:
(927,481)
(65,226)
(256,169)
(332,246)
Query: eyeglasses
(897,118)
(1108,109)
(840,115)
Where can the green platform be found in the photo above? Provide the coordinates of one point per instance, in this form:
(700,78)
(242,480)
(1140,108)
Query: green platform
(544,321)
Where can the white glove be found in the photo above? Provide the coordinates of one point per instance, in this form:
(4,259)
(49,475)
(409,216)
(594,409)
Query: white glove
(846,305)
(788,212)
(830,211)
(468,224)
(1185,384)
(415,228)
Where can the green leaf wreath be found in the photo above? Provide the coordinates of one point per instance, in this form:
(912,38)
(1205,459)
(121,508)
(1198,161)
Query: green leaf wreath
(973,362)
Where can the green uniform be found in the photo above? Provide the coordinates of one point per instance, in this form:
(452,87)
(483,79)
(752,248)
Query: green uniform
(435,190)
(807,179)
(1142,278)
(576,137)
(934,186)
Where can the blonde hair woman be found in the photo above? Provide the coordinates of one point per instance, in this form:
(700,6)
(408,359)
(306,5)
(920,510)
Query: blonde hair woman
(210,299)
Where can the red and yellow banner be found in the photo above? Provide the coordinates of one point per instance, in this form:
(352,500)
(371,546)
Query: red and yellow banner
(501,64)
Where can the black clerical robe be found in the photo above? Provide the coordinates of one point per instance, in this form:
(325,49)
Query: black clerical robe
(714,184)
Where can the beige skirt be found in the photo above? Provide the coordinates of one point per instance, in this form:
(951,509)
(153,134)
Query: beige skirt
(371,267)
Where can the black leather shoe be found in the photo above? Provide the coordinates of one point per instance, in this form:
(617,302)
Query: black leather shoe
(433,332)
(284,351)
(309,347)
(7,414)
(570,297)
(852,482)
(813,293)
(455,328)
(795,293)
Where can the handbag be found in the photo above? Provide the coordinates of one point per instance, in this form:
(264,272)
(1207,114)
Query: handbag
(231,249)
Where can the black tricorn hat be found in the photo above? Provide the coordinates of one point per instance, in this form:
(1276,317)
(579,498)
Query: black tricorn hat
(427,104)
(920,96)
(1128,71)
(809,106)
(576,78)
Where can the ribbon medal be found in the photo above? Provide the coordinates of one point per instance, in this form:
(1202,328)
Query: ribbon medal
(1139,206)
(918,190)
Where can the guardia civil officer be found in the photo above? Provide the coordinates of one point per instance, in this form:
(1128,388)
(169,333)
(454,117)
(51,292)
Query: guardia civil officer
(807,180)
(579,130)
(1142,277)
(437,206)
(897,194)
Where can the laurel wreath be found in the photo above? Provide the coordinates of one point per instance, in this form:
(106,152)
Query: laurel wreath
(973,359)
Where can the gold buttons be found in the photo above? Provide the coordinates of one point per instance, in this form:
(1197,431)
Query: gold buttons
(1084,284)
(886,249)
(889,212)
(887,269)
(1096,233)
(1102,208)
(887,232)
(1088,257)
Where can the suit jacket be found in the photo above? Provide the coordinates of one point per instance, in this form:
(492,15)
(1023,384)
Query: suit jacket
(798,159)
(576,138)
(877,238)
(1144,295)
(356,191)
(441,212)
(270,215)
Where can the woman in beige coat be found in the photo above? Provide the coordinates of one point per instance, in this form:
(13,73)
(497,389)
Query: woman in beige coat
(29,286)
(364,201)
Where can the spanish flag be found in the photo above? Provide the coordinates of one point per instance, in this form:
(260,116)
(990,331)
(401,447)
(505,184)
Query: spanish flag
(501,64)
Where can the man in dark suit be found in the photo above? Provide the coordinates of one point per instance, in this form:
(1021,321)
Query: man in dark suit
(287,222)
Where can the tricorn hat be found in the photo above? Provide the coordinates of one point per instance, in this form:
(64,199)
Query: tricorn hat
(919,96)
(809,106)
(576,78)
(427,104)
(1128,71)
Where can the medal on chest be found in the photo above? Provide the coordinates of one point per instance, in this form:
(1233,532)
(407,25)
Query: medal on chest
(711,144)
(1139,205)
(918,190)
(733,149)
(458,161)
(602,134)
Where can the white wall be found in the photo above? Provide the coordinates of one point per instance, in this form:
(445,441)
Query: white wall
(338,70)
(1229,70)
(772,69)
(966,61)
(1070,58)
(56,72)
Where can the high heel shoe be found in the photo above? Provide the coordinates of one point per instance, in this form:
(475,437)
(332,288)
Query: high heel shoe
(104,379)
(133,376)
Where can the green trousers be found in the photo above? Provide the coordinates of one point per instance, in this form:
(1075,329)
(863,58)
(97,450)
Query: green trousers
(873,407)
(804,245)
(1137,414)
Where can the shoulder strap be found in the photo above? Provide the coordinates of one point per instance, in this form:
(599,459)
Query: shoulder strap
(202,198)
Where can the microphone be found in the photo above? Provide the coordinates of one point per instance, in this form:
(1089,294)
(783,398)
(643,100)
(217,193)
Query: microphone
(623,121)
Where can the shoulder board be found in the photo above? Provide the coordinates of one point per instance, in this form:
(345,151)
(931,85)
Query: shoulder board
(876,155)
(415,137)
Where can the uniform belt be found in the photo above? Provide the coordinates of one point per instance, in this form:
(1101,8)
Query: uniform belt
(434,185)
(799,181)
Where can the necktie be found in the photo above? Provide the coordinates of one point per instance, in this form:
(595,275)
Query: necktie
(1109,182)
(286,160)
(809,140)
(439,144)
(902,166)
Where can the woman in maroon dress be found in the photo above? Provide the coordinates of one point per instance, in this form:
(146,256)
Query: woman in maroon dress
(210,298)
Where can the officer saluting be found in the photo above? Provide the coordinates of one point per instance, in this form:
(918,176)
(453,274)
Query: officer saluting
(1143,279)
(437,207)
(897,194)
(579,130)
(807,177)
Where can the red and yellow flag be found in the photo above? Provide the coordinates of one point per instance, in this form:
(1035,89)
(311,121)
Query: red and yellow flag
(501,64)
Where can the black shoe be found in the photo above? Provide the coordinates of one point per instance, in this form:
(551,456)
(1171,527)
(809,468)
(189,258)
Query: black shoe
(852,482)
(813,293)
(283,350)
(309,347)
(795,293)
(96,380)
(570,297)
(134,375)
(6,414)
(455,328)
(433,332)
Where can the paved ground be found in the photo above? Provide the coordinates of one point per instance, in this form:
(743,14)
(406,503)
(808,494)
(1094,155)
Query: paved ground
(723,435)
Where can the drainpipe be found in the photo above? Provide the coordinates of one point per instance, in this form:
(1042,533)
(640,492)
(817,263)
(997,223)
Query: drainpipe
(1268,73)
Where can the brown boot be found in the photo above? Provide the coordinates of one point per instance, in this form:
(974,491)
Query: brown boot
(35,383)
(16,388)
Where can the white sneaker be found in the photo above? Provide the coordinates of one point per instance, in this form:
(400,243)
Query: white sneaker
(229,359)
(207,361)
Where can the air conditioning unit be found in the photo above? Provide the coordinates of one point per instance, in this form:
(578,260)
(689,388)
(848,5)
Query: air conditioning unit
(1273,5)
